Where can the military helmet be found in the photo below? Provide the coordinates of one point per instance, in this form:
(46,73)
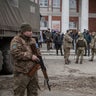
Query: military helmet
(25,27)
(80,34)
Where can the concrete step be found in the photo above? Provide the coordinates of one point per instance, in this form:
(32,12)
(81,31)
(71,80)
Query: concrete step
(53,52)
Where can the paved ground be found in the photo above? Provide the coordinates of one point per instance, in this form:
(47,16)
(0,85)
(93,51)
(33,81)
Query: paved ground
(65,80)
(70,80)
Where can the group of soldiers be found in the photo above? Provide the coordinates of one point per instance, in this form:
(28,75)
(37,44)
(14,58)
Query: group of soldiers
(81,45)
(80,42)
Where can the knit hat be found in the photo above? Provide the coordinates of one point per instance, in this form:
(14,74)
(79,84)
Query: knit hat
(25,27)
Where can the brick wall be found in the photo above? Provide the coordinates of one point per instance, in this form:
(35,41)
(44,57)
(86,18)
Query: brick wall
(92,6)
(92,24)
(56,18)
(46,18)
(73,19)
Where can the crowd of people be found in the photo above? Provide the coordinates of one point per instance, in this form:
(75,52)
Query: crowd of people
(53,40)
(82,43)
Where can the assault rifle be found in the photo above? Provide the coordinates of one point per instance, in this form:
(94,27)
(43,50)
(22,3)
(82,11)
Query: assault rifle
(40,63)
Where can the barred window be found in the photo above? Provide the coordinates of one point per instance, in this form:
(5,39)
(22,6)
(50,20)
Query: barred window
(32,9)
(43,3)
(56,3)
(72,25)
(72,4)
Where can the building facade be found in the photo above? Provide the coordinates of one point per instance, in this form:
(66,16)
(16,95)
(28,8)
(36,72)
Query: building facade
(68,14)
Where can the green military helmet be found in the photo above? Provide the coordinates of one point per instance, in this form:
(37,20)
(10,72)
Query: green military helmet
(25,27)
(80,34)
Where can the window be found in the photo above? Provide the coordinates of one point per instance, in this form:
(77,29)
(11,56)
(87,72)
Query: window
(56,3)
(32,9)
(56,25)
(43,3)
(72,25)
(43,22)
(14,3)
(72,4)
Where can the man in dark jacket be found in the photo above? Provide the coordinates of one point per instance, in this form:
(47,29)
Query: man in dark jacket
(87,37)
(58,40)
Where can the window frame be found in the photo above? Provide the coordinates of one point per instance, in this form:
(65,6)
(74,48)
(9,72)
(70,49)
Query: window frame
(43,22)
(32,9)
(57,5)
(14,3)
(44,3)
(72,4)
(72,25)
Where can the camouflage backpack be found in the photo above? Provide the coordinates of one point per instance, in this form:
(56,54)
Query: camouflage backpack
(81,43)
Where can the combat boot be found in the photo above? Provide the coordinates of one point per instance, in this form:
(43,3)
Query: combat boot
(57,52)
(76,62)
(80,62)
(91,60)
(66,62)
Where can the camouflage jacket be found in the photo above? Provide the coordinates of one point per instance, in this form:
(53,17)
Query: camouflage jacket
(48,36)
(22,51)
(67,41)
(93,42)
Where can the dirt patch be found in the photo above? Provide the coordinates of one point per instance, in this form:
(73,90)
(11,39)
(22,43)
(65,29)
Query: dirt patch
(67,83)
(86,85)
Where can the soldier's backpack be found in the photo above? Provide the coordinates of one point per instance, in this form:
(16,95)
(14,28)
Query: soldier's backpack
(81,43)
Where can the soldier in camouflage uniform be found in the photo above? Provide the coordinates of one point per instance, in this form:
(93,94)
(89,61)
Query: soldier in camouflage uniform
(67,45)
(23,57)
(48,39)
(93,45)
(81,44)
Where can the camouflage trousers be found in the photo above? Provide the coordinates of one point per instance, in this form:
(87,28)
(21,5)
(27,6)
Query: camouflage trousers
(93,51)
(23,82)
(66,54)
(80,53)
(49,45)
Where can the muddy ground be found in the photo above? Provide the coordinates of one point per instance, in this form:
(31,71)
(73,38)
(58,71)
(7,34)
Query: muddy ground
(60,86)
(64,81)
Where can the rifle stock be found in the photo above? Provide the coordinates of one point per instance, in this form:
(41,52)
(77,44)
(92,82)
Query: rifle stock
(41,64)
(33,70)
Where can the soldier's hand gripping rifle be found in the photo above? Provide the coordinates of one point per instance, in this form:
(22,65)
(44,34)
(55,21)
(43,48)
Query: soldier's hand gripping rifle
(39,63)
